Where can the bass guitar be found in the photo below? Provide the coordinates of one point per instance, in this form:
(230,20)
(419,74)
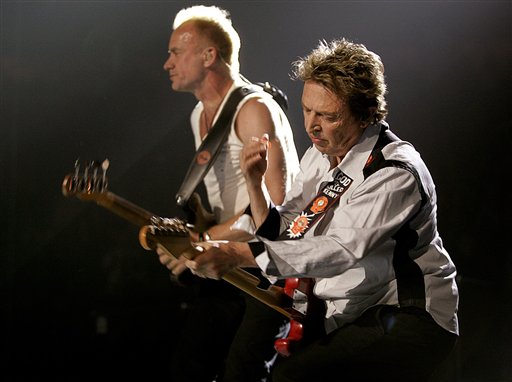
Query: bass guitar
(172,235)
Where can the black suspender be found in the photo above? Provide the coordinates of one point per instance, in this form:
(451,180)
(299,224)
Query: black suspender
(210,147)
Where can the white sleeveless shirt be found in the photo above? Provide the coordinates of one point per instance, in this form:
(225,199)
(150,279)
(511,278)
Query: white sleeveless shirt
(224,182)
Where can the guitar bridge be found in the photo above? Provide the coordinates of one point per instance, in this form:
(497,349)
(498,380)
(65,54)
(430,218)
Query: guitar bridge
(300,301)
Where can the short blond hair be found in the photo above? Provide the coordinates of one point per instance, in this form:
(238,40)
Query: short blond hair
(215,23)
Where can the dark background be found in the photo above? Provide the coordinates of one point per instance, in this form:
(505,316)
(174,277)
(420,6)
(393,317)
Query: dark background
(84,79)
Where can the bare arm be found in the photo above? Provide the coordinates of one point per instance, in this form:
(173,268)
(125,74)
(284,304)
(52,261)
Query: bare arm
(224,231)
(253,162)
(255,120)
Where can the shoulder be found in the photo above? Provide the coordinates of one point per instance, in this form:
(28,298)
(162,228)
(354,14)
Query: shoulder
(258,104)
(259,101)
(402,151)
(256,116)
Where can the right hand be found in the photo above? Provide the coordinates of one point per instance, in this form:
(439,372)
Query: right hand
(254,160)
(219,257)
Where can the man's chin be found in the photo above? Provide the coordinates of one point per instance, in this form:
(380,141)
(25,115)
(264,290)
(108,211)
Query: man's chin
(320,148)
(177,88)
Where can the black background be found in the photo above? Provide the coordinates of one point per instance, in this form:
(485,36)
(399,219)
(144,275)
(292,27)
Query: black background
(84,79)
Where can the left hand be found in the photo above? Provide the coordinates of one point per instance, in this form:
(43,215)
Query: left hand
(175,265)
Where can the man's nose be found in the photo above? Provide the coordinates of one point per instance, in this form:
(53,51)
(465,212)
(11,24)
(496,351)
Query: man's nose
(168,64)
(312,123)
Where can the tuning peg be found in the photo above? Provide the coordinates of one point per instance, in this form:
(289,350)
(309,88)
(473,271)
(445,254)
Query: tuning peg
(77,167)
(105,164)
(86,169)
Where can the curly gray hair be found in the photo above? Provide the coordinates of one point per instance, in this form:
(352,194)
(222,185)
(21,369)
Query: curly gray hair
(350,71)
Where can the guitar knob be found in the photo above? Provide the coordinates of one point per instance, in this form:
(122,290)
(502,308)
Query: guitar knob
(296,330)
(282,346)
(291,285)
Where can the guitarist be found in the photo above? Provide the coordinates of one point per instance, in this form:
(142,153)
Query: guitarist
(361,220)
(203,60)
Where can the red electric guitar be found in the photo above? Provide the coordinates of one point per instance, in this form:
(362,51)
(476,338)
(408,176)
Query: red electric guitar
(295,300)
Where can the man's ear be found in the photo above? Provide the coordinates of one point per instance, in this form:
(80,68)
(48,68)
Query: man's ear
(210,55)
(367,117)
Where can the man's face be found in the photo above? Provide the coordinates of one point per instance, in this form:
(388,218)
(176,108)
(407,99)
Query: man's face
(328,121)
(186,59)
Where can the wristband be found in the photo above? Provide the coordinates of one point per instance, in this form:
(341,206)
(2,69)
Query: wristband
(204,236)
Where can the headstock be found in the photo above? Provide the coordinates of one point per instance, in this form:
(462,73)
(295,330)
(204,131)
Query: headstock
(87,181)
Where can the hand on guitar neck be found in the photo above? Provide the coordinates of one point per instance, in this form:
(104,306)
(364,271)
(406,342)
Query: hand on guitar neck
(296,300)
(171,237)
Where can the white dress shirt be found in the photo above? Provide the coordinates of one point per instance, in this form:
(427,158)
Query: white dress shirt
(350,250)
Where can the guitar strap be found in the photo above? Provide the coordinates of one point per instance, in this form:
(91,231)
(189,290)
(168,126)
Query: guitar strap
(330,193)
(210,147)
(327,197)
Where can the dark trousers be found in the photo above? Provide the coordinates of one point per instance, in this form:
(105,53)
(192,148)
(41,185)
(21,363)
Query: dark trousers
(384,344)
(252,352)
(227,336)
(203,340)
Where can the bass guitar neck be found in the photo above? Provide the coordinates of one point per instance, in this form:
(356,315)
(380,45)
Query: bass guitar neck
(172,235)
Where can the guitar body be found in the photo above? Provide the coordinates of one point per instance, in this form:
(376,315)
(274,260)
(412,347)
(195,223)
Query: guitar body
(198,216)
(310,324)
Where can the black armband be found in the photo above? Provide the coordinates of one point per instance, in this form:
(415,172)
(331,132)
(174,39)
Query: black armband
(257,248)
(269,229)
